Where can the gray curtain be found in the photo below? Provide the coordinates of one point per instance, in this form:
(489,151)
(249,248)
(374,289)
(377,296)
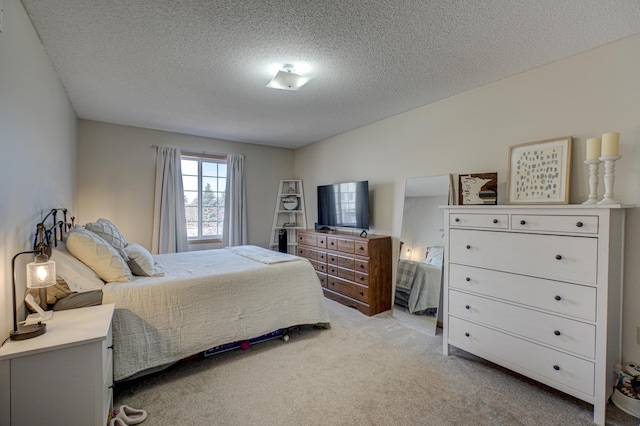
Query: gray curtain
(169,222)
(235,203)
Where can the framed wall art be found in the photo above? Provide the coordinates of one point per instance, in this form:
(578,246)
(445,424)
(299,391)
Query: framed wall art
(539,172)
(478,188)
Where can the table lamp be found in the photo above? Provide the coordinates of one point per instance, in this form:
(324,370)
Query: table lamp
(41,273)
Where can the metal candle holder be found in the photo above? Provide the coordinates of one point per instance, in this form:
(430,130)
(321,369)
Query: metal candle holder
(594,165)
(609,178)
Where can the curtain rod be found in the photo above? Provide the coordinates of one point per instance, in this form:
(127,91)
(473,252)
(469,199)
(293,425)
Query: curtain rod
(187,151)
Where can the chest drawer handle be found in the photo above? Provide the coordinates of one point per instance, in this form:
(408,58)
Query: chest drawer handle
(558,257)
(556,367)
(333,283)
(468,247)
(468,279)
(557,332)
(467,307)
(457,219)
(579,224)
(361,266)
(467,334)
(523,222)
(361,293)
(558,298)
(495,220)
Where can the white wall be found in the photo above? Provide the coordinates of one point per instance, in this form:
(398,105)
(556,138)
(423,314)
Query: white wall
(116,174)
(582,96)
(37,146)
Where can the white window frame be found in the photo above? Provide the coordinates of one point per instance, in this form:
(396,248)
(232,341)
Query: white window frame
(200,158)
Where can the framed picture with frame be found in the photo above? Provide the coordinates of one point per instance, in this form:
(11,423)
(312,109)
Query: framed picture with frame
(539,172)
(478,188)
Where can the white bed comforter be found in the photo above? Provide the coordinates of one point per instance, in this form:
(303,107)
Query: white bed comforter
(208,298)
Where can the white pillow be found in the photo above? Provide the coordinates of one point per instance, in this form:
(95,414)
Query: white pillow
(78,276)
(110,233)
(98,255)
(141,261)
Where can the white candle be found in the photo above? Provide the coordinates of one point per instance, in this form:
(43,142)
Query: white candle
(593,148)
(610,144)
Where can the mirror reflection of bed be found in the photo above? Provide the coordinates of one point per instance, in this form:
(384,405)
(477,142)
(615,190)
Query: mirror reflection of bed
(419,272)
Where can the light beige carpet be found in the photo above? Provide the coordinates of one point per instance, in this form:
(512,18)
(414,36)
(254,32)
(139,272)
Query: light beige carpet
(362,371)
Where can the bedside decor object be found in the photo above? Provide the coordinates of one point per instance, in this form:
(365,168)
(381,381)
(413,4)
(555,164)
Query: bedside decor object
(290,202)
(610,153)
(593,161)
(478,188)
(539,172)
(40,273)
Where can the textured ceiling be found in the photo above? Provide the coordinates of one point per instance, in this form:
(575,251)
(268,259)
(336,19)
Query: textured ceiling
(200,67)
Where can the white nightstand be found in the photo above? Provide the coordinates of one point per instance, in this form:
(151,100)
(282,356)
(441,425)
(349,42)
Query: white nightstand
(64,377)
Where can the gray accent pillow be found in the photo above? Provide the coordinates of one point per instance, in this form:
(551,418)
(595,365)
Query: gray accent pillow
(141,262)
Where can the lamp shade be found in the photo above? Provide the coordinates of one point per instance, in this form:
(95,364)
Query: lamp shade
(41,273)
(286,80)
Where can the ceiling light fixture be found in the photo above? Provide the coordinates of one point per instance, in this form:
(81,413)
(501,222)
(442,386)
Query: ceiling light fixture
(287,79)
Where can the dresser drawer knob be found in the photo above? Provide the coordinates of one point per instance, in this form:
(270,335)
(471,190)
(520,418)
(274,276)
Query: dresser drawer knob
(523,222)
(558,257)
(467,307)
(333,283)
(467,334)
(468,279)
(495,220)
(557,332)
(457,219)
(579,224)
(558,298)
(361,293)
(361,266)
(556,367)
(468,247)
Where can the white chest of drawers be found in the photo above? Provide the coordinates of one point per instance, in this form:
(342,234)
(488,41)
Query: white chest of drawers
(65,376)
(538,290)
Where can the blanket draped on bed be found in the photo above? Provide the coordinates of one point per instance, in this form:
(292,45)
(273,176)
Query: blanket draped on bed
(209,298)
(422,282)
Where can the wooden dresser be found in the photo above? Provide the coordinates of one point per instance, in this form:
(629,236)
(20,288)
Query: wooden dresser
(353,270)
(538,290)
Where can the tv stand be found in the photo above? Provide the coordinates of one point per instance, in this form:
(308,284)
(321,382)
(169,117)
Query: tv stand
(353,270)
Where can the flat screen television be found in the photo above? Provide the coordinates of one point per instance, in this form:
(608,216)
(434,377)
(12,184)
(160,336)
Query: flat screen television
(344,205)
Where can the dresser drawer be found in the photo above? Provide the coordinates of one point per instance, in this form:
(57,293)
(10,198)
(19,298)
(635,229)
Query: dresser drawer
(562,333)
(318,266)
(564,258)
(574,300)
(322,256)
(347,274)
(479,220)
(346,262)
(308,253)
(323,279)
(349,289)
(361,266)
(308,239)
(562,369)
(549,223)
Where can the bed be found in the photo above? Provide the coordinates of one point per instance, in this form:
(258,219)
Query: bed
(171,306)
(206,299)
(418,283)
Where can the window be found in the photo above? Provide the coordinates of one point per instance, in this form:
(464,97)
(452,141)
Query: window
(204,178)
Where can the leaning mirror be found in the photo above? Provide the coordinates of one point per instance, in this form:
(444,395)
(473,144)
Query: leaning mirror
(419,273)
